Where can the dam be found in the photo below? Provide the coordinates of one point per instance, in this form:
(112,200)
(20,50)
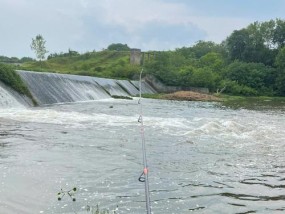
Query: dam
(50,88)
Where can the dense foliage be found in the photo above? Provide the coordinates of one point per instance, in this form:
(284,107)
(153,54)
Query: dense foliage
(251,61)
(70,53)
(118,47)
(5,59)
(12,79)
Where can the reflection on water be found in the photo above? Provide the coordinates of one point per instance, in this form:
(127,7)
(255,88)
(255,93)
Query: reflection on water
(259,104)
(203,158)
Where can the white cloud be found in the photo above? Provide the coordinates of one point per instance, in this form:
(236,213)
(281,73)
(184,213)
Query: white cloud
(93,24)
(132,13)
(218,29)
(85,24)
(133,22)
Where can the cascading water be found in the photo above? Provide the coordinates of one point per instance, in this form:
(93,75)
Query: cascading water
(146,88)
(49,88)
(8,98)
(128,86)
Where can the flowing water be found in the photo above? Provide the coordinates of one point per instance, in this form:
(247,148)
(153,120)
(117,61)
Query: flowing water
(203,158)
(50,88)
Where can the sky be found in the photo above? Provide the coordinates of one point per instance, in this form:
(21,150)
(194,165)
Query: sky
(87,25)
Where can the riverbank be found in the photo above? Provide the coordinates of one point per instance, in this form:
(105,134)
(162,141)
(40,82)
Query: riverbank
(185,96)
(190,96)
(196,96)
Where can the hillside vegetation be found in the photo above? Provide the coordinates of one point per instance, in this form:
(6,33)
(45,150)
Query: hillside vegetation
(250,62)
(13,80)
(108,63)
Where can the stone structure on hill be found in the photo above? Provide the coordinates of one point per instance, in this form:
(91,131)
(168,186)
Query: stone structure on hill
(136,55)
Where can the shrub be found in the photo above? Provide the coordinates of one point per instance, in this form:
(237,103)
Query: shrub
(232,87)
(9,77)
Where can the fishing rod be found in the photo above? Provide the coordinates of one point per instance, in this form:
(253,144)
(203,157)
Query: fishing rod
(144,176)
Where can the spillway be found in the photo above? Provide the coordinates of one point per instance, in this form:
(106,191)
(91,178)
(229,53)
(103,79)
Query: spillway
(49,88)
(10,99)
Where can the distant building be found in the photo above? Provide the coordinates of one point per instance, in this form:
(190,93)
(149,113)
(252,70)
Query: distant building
(135,58)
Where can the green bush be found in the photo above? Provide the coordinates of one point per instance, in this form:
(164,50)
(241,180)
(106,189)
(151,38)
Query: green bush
(204,78)
(118,47)
(9,77)
(232,87)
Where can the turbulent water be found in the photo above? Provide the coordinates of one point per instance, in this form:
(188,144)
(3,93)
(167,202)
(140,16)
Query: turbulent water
(203,158)
(9,98)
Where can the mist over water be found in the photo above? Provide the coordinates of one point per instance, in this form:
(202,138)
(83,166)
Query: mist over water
(203,157)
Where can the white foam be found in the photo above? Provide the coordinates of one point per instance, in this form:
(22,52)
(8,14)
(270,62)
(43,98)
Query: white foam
(7,100)
(236,129)
(65,118)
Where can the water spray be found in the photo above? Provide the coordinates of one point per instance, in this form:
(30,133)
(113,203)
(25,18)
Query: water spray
(144,176)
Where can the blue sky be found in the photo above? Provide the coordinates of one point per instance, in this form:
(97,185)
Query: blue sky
(86,25)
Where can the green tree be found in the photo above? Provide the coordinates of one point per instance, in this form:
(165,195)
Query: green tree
(267,30)
(254,75)
(200,49)
(252,44)
(203,77)
(26,59)
(280,59)
(279,33)
(238,44)
(118,47)
(213,60)
(280,79)
(184,76)
(38,46)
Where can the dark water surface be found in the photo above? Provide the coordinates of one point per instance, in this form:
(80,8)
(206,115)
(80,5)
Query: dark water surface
(203,158)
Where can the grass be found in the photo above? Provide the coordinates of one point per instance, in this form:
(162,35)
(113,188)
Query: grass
(108,64)
(153,96)
(230,98)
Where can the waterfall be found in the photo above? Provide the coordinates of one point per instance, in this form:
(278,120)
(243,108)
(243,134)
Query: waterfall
(146,88)
(9,98)
(49,88)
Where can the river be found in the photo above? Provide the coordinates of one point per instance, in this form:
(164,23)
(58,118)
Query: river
(203,157)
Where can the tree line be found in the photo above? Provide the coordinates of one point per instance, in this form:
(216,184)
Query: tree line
(5,59)
(251,61)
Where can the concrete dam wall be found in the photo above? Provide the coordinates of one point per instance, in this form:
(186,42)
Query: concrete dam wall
(50,88)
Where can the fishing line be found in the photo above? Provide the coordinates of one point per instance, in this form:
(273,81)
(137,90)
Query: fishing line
(144,176)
